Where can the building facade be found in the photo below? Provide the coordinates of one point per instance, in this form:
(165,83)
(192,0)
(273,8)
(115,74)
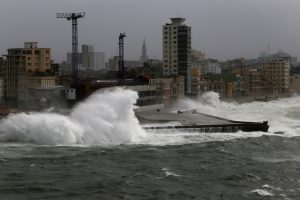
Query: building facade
(208,67)
(20,64)
(295,84)
(177,50)
(197,56)
(1,90)
(169,90)
(88,59)
(277,76)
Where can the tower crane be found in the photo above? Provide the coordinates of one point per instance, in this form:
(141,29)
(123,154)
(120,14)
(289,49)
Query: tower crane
(121,57)
(73,17)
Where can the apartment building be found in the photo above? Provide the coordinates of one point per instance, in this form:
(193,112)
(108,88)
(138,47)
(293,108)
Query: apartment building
(177,50)
(22,63)
(276,76)
(169,90)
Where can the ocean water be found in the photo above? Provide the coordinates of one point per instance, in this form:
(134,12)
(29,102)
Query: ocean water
(100,151)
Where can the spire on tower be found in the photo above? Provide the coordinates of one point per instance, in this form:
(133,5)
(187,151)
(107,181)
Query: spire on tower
(144,57)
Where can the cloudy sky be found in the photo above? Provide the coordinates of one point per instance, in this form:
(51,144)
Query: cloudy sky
(223,29)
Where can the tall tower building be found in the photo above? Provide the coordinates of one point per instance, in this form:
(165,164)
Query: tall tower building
(144,57)
(177,50)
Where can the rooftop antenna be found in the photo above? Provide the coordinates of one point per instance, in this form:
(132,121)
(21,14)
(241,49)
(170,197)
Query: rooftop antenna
(177,13)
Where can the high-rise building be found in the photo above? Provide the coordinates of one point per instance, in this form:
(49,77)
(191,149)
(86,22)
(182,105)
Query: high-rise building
(177,50)
(88,59)
(97,61)
(144,57)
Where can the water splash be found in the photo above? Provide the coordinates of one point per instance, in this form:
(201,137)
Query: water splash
(208,103)
(282,114)
(106,117)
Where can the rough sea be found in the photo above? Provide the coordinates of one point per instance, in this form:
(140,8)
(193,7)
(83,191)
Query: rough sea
(100,151)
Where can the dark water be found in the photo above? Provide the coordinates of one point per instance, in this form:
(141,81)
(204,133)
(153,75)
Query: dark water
(216,170)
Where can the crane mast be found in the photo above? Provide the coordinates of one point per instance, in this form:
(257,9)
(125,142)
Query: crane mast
(121,58)
(73,17)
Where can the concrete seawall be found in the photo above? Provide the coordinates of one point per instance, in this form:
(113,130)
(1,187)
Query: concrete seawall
(192,121)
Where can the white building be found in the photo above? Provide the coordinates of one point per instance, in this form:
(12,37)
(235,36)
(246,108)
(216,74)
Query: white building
(208,67)
(97,60)
(88,59)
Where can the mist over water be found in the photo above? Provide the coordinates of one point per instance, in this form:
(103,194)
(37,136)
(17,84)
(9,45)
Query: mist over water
(106,117)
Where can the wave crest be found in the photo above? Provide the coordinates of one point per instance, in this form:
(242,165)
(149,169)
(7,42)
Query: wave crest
(106,117)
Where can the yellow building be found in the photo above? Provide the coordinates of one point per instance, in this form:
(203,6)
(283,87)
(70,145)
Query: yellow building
(277,76)
(169,90)
(21,63)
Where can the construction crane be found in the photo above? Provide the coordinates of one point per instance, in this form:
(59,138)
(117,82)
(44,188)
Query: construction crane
(121,58)
(73,17)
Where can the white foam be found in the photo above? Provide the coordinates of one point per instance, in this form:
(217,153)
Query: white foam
(271,187)
(106,117)
(275,112)
(262,192)
(168,173)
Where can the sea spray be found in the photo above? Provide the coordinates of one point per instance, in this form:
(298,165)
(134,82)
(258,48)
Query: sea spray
(106,117)
(208,103)
(282,115)
(277,112)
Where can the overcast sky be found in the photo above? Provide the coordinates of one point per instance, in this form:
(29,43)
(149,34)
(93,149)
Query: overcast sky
(222,29)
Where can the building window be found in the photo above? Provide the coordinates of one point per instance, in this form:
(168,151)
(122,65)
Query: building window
(47,52)
(36,52)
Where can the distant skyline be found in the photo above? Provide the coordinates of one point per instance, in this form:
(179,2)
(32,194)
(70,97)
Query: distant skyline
(222,29)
